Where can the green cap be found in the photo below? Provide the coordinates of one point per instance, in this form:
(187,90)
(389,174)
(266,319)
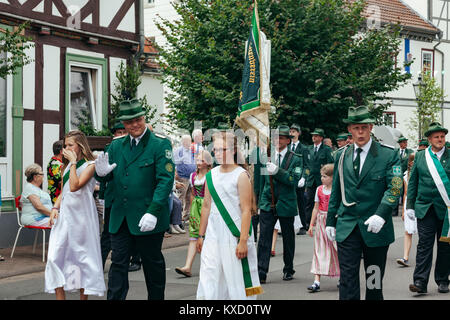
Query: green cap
(295,126)
(342,136)
(401,139)
(283,130)
(359,114)
(435,127)
(118,125)
(130,109)
(423,142)
(318,132)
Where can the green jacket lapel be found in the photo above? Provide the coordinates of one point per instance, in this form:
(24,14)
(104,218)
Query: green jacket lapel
(348,162)
(445,157)
(370,161)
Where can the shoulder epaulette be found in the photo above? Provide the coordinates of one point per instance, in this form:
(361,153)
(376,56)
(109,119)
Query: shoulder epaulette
(119,137)
(160,135)
(387,146)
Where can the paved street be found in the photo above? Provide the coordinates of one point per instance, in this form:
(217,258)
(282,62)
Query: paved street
(396,281)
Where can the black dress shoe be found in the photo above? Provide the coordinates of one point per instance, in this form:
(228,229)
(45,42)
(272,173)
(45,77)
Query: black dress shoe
(134,267)
(418,288)
(443,287)
(301,232)
(288,276)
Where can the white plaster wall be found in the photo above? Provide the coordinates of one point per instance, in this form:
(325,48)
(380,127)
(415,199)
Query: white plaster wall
(164,9)
(420,6)
(51,135)
(128,22)
(28,144)
(29,80)
(85,53)
(108,9)
(51,77)
(153,89)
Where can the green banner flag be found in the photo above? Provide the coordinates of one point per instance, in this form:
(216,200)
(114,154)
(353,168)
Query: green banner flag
(250,93)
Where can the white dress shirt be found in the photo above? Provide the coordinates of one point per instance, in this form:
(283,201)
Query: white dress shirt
(294,145)
(439,153)
(363,154)
(317,147)
(282,153)
(138,139)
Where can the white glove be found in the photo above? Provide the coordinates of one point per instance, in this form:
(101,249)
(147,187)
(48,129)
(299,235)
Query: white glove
(411,213)
(271,168)
(301,183)
(375,223)
(331,233)
(148,222)
(102,166)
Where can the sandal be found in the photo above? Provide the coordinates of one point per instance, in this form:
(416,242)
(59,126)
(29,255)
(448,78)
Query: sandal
(2,258)
(184,273)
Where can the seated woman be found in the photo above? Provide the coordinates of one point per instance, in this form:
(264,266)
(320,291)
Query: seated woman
(36,203)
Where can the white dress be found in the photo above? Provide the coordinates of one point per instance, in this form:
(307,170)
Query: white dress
(410,224)
(74,256)
(221,276)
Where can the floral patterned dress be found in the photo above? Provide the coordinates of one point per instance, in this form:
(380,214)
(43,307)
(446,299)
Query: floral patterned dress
(54,178)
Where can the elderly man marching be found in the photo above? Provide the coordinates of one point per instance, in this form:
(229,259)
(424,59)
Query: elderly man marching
(366,185)
(140,167)
(428,200)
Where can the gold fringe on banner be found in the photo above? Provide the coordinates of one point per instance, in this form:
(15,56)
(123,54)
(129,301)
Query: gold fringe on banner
(253,291)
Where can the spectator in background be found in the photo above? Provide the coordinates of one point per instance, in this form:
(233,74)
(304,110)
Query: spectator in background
(36,203)
(185,165)
(197,145)
(328,142)
(54,171)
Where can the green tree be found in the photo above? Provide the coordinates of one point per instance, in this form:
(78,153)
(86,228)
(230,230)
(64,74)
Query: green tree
(14,44)
(323,60)
(429,106)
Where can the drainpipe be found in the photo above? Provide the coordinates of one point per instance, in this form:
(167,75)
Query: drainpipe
(442,74)
(141,32)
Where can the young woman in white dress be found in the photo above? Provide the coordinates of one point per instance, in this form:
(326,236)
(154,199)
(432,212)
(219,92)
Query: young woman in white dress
(74,256)
(228,265)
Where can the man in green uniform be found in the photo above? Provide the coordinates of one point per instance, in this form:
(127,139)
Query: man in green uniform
(141,169)
(286,172)
(297,147)
(404,154)
(423,144)
(319,155)
(341,141)
(427,205)
(367,182)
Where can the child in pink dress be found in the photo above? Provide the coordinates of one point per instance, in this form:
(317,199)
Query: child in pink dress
(325,259)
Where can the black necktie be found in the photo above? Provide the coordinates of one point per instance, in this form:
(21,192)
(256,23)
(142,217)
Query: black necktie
(133,144)
(357,162)
(315,150)
(401,155)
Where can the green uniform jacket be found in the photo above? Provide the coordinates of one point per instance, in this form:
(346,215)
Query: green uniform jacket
(422,191)
(303,150)
(285,183)
(375,192)
(316,162)
(404,159)
(142,182)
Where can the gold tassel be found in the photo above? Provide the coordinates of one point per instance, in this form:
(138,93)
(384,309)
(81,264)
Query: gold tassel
(444,239)
(253,291)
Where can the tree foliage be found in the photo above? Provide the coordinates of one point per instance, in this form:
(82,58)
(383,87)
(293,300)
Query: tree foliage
(323,60)
(14,44)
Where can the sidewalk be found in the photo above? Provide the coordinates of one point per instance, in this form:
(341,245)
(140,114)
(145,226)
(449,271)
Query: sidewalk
(24,261)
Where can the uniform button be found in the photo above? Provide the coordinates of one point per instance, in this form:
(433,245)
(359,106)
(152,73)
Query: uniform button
(125,199)
(125,187)
(126,174)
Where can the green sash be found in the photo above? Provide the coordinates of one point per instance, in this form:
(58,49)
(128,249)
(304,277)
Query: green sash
(234,230)
(443,185)
(67,175)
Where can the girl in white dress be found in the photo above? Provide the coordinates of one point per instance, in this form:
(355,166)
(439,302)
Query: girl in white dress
(228,265)
(410,224)
(74,256)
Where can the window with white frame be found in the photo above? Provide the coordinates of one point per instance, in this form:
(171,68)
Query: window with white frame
(84,97)
(427,62)
(389,119)
(149,3)
(3,111)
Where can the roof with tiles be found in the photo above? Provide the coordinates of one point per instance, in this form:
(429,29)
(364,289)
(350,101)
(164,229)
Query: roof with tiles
(396,11)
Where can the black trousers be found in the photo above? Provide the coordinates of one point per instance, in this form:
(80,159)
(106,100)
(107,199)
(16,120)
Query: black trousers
(149,248)
(301,206)
(309,204)
(105,238)
(266,224)
(255,222)
(349,255)
(429,228)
